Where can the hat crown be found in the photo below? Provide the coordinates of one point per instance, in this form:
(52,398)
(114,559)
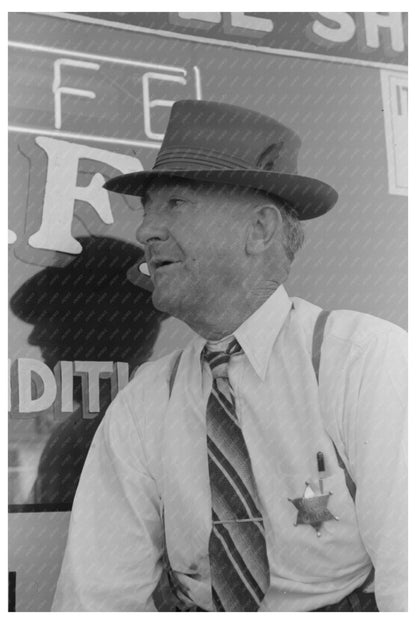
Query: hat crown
(210,135)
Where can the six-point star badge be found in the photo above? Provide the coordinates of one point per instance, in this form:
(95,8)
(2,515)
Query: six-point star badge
(313,509)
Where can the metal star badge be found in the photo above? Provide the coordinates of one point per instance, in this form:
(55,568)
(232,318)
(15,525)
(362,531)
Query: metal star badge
(313,509)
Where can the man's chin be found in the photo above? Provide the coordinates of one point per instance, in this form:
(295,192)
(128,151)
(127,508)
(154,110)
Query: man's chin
(170,301)
(162,301)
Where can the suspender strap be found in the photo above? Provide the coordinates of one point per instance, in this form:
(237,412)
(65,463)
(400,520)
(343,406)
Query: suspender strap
(317,340)
(318,337)
(352,488)
(173,372)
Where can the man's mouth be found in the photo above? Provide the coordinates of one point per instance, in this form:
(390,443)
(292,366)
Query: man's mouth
(157,265)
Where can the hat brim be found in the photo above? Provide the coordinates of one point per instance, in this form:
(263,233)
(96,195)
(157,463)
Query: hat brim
(309,198)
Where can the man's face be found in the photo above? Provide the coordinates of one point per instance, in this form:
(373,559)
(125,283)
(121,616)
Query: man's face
(194,238)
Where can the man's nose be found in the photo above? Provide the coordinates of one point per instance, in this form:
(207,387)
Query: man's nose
(152,227)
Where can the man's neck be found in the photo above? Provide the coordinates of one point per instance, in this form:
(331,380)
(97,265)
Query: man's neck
(218,321)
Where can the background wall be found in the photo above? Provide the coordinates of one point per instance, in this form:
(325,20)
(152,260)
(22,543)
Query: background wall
(89,98)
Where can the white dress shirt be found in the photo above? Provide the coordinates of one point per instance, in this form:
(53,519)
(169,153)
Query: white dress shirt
(149,456)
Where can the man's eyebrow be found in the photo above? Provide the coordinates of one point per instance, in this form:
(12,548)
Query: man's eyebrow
(146,198)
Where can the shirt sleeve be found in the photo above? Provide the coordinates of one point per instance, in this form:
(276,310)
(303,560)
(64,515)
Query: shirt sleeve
(377,448)
(112,560)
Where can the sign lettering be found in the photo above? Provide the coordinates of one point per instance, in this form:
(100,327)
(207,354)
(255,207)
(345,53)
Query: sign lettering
(33,387)
(61,191)
(378,37)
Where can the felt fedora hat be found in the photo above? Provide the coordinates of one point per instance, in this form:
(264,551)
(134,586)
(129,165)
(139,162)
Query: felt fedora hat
(220,143)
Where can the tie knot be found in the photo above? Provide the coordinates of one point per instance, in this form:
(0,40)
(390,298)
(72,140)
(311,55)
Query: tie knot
(218,359)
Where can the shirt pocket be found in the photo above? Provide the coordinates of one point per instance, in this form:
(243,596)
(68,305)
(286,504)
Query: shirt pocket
(332,550)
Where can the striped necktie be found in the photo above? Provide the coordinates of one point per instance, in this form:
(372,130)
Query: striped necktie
(237,545)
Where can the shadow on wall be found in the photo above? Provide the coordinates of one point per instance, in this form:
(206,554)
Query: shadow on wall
(87,310)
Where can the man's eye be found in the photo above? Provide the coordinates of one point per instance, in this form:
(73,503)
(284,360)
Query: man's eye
(175,201)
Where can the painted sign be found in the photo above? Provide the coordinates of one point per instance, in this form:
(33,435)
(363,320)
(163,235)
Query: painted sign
(395,106)
(377,37)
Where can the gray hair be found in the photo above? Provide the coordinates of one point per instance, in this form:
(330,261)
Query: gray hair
(293,233)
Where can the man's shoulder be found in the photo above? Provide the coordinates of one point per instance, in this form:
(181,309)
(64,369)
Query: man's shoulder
(152,375)
(348,325)
(146,393)
(362,329)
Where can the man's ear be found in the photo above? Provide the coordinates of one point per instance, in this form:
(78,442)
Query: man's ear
(266,221)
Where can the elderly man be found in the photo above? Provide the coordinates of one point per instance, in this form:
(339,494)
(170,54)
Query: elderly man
(263,468)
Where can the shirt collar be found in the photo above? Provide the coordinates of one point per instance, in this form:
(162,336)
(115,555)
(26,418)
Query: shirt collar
(258,333)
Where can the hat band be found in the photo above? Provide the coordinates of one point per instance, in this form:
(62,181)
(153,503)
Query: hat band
(189,158)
